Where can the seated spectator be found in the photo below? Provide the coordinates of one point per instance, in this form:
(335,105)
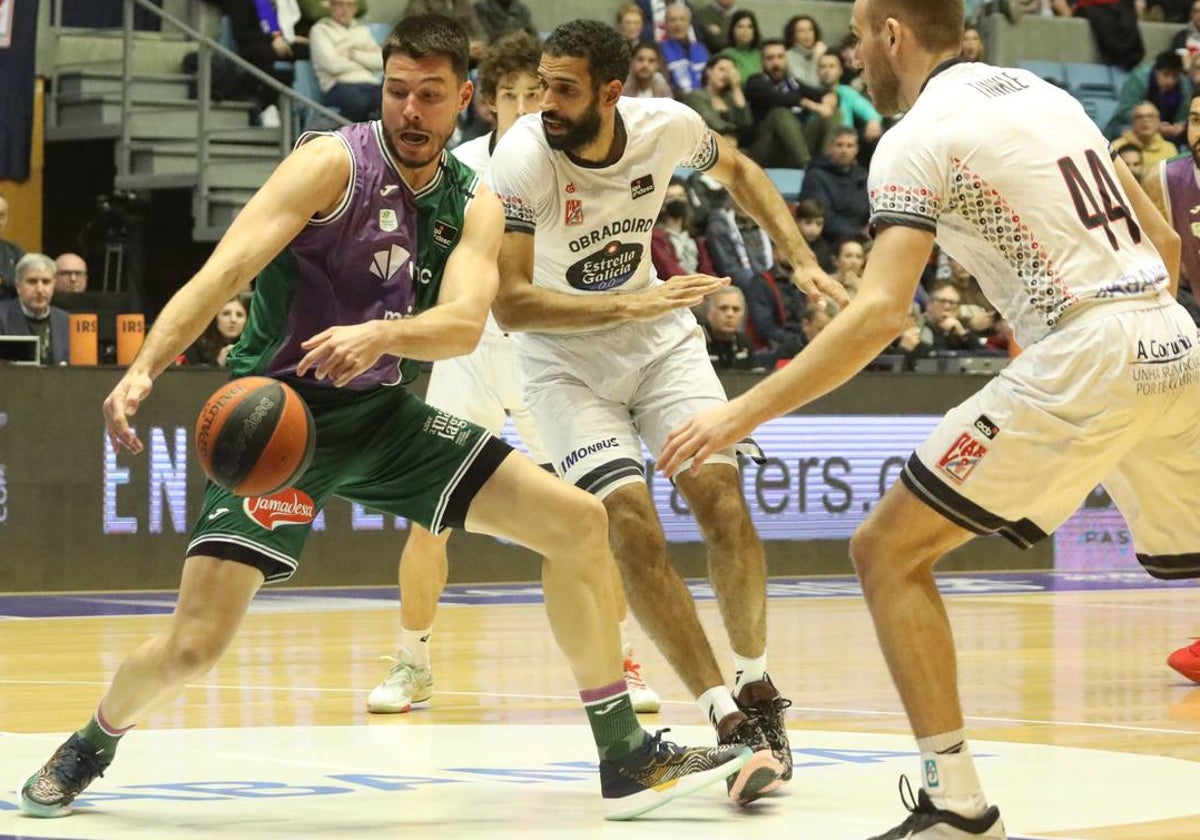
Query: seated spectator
(744,43)
(1114,27)
(1186,43)
(810,218)
(775,309)
(460,10)
(1145,135)
(645,73)
(840,185)
(856,110)
(802,37)
(673,249)
(1163,84)
(685,59)
(712,24)
(721,102)
(260,40)
(849,260)
(739,249)
(1132,156)
(943,328)
(723,322)
(31,313)
(499,17)
(312,11)
(815,318)
(912,343)
(705,196)
(218,338)
(793,119)
(972,45)
(1168,11)
(631,23)
(851,72)
(70,273)
(10,255)
(348,63)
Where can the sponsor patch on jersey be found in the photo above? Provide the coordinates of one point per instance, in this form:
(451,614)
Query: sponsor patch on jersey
(962,458)
(387,220)
(986,427)
(574,212)
(287,507)
(444,233)
(611,266)
(638,187)
(587,449)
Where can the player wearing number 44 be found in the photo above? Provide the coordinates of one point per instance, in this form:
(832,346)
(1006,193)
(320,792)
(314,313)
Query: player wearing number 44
(1072,253)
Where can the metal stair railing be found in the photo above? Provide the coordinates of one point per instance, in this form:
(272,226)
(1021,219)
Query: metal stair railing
(289,99)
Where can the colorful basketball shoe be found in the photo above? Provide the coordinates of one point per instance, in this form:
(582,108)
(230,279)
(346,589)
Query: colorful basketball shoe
(50,791)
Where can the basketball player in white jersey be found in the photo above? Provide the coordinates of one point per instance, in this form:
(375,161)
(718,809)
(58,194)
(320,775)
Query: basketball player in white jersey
(610,353)
(1016,183)
(481,387)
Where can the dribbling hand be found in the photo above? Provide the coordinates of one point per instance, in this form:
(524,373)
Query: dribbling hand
(121,404)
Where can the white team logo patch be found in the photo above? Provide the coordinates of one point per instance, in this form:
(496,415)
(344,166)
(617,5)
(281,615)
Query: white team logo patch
(387,220)
(386,263)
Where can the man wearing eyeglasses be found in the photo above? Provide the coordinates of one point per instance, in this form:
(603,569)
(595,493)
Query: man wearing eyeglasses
(944,329)
(70,273)
(1145,135)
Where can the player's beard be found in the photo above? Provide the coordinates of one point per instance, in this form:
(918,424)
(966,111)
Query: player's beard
(884,89)
(1195,150)
(579,132)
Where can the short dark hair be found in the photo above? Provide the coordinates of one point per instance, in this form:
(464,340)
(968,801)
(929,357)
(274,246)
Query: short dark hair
(844,241)
(516,52)
(1168,62)
(809,208)
(654,48)
(431,35)
(771,42)
(741,15)
(938,24)
(789,28)
(606,52)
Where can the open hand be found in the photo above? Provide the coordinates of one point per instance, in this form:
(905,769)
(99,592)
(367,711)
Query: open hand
(342,353)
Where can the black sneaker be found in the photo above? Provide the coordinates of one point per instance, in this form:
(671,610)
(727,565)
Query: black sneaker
(50,791)
(763,703)
(762,772)
(659,771)
(927,822)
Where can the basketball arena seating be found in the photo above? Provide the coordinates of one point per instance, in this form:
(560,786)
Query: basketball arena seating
(1096,86)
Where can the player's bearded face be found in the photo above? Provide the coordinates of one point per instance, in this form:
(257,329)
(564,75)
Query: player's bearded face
(883,85)
(421,100)
(564,133)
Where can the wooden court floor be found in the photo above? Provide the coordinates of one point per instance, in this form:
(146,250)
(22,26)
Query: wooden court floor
(1080,669)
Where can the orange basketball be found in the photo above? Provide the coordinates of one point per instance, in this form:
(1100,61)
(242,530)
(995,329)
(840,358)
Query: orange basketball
(255,436)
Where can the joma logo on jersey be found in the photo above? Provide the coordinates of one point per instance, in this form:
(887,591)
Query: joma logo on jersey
(639,187)
(962,458)
(574,212)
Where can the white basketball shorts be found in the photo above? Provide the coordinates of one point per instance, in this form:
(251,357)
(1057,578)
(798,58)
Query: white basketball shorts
(483,387)
(1112,398)
(594,395)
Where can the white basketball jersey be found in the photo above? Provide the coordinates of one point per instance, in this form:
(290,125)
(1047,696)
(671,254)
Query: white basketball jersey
(592,224)
(477,154)
(1018,184)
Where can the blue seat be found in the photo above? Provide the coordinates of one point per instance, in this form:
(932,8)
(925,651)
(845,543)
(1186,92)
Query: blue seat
(1050,70)
(1100,109)
(1090,79)
(305,83)
(379,31)
(787,181)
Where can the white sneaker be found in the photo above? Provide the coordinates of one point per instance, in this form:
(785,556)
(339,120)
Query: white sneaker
(405,684)
(641,695)
(269,118)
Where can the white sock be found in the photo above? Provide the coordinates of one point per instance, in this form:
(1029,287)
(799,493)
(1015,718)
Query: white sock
(748,669)
(626,645)
(416,642)
(716,703)
(950,778)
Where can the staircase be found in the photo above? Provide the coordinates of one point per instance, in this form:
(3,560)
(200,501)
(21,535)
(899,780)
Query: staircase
(158,145)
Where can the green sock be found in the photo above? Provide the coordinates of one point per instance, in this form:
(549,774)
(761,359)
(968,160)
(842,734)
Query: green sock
(614,725)
(99,737)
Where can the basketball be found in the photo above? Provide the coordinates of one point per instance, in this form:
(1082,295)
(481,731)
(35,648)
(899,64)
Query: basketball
(255,436)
